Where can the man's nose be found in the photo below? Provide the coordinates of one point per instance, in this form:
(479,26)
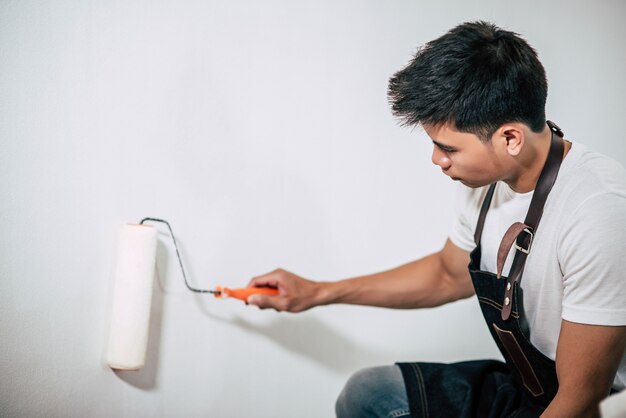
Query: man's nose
(440,158)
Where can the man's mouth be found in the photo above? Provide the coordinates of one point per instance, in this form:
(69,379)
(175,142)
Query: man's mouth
(451,177)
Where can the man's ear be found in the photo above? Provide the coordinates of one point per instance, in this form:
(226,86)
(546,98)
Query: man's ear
(511,137)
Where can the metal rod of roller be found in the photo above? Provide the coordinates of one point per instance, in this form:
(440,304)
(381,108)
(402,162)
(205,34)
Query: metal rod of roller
(180,261)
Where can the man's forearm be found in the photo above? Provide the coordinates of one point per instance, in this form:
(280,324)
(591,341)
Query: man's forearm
(418,284)
(560,407)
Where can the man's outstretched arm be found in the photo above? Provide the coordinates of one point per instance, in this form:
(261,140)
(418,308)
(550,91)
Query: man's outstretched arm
(434,280)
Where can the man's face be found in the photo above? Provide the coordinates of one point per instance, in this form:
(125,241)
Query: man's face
(464,157)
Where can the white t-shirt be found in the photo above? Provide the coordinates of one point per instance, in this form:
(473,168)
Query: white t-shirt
(576,269)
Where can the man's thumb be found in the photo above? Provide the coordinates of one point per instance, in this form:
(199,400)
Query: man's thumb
(262,301)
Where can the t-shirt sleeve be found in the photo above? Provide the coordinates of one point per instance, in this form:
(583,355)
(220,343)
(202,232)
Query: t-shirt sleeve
(467,207)
(591,252)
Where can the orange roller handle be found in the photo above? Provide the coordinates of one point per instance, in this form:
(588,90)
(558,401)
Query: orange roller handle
(244,293)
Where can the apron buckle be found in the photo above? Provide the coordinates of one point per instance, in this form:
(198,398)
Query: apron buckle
(530,242)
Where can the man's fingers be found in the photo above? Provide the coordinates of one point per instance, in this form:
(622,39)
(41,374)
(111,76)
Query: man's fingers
(265,301)
(287,285)
(269,279)
(262,301)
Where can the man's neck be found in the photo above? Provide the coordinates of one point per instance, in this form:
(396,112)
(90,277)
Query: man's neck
(531,161)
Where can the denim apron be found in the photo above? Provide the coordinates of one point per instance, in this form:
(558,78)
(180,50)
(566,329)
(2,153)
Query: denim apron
(527,383)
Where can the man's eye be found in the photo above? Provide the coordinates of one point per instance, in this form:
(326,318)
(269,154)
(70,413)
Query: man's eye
(444,148)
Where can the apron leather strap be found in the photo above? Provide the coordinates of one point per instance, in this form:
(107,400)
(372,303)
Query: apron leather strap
(544,185)
(478,232)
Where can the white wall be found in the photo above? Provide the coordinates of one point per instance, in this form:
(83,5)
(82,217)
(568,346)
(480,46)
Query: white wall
(261,131)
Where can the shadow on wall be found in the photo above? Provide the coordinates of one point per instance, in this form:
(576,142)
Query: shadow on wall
(311,338)
(308,337)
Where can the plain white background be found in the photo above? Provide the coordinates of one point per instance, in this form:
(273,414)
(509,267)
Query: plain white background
(261,131)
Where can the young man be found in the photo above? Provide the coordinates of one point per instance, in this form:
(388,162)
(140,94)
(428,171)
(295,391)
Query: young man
(545,222)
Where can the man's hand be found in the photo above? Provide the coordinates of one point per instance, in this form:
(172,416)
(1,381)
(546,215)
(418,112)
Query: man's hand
(295,294)
(587,358)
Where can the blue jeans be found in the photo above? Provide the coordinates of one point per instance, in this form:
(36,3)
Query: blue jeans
(376,392)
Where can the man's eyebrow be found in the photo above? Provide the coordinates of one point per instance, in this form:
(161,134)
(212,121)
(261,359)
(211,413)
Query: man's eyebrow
(443,147)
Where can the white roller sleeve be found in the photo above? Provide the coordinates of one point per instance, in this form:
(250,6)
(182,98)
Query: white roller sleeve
(134,276)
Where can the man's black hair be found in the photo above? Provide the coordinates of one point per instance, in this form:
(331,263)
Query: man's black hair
(475,77)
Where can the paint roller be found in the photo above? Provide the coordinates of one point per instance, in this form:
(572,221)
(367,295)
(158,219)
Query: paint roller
(132,294)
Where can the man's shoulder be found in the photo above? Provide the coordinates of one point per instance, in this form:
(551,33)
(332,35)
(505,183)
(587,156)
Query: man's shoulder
(588,178)
(588,201)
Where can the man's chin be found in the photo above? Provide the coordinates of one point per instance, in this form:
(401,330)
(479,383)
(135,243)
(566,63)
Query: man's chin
(470,185)
(473,185)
